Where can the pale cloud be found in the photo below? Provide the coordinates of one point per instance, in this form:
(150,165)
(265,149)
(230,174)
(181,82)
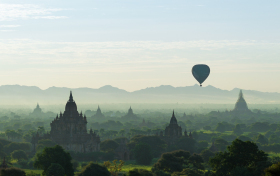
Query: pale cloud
(9,12)
(7,30)
(9,26)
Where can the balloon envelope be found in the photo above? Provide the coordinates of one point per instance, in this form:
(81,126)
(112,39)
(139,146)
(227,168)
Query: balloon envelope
(200,72)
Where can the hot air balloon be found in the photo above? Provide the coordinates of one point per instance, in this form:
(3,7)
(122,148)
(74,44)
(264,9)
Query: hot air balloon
(200,72)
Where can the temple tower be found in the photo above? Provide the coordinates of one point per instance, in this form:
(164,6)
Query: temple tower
(241,105)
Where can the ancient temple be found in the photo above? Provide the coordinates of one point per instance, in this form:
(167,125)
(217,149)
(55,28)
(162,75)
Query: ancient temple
(184,116)
(241,105)
(98,114)
(143,124)
(37,111)
(130,115)
(173,131)
(69,130)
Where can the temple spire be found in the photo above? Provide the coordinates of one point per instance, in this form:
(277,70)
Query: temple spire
(71,97)
(240,94)
(173,119)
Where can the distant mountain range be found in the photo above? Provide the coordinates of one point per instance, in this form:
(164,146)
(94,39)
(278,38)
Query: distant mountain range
(30,95)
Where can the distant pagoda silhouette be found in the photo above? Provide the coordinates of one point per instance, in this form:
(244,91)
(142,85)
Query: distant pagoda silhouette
(69,130)
(241,105)
(98,113)
(130,115)
(37,111)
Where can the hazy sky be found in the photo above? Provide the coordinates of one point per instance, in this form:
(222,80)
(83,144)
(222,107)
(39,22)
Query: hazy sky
(134,44)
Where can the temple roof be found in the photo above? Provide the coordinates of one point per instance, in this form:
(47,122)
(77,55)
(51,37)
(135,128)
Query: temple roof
(173,119)
(241,104)
(71,105)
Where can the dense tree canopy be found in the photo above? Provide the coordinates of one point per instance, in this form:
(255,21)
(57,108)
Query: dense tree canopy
(55,170)
(12,172)
(143,154)
(94,169)
(157,145)
(19,155)
(240,155)
(51,155)
(177,160)
(108,145)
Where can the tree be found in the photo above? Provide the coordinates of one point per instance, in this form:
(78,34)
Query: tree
(261,139)
(189,172)
(273,170)
(244,138)
(221,144)
(55,170)
(237,130)
(143,154)
(113,167)
(41,130)
(206,154)
(157,145)
(46,143)
(273,139)
(19,155)
(220,127)
(240,154)
(51,155)
(176,161)
(260,126)
(139,172)
(12,172)
(202,144)
(108,145)
(208,128)
(94,169)
(187,144)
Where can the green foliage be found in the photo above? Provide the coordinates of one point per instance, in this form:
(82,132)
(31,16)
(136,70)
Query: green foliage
(25,146)
(92,156)
(178,160)
(274,139)
(273,170)
(220,127)
(143,154)
(185,143)
(221,144)
(202,144)
(94,169)
(12,172)
(139,172)
(244,138)
(157,144)
(75,164)
(206,154)
(207,128)
(237,130)
(259,127)
(46,143)
(261,139)
(51,155)
(240,154)
(19,155)
(55,170)
(188,172)
(108,145)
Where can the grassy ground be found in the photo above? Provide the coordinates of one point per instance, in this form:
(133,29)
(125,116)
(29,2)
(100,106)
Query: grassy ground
(272,154)
(28,171)
(129,167)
